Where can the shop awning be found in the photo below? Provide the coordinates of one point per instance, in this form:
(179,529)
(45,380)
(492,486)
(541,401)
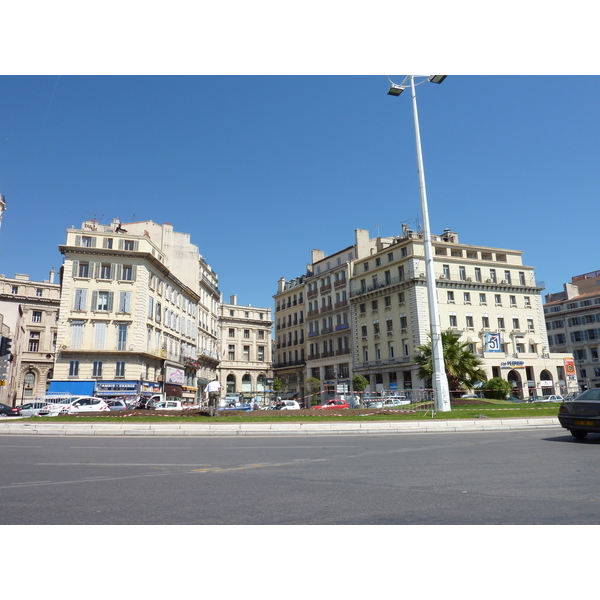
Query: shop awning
(77,388)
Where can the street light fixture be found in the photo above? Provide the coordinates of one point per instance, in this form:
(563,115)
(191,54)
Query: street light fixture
(439,379)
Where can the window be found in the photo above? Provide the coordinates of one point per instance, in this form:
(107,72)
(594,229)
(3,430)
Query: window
(390,256)
(363,329)
(36,316)
(512,300)
(97,369)
(261,353)
(102,302)
(374,305)
(150,307)
(462,273)
(261,335)
(376,328)
(515,323)
(76,334)
(450,296)
(122,337)
(498,299)
(86,241)
(507,276)
(521,278)
(453,322)
(467,297)
(128,245)
(124,302)
(74,368)
(527,301)
(127,273)
(34,341)
(477,274)
(107,243)
(100,335)
(105,271)
(120,368)
(366,266)
(231,332)
(501,323)
(469,321)
(485,322)
(246,353)
(530,326)
(482,299)
(39,292)
(246,334)
(446,271)
(231,352)
(493,275)
(84,270)
(378,262)
(14,289)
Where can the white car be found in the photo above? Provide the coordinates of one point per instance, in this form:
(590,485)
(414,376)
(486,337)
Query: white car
(88,405)
(31,409)
(552,398)
(168,405)
(60,405)
(290,405)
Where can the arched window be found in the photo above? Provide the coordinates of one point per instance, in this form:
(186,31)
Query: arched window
(246,383)
(231,384)
(29,381)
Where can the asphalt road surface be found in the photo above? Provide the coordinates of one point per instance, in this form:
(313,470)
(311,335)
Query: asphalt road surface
(513,477)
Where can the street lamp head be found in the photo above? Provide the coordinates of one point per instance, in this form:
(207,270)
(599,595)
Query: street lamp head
(437,78)
(395,90)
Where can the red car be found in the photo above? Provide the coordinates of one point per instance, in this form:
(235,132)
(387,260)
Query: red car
(335,404)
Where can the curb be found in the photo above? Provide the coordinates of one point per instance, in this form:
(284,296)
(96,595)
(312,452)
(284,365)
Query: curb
(225,429)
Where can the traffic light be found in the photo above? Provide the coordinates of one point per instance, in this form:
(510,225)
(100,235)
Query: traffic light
(5,345)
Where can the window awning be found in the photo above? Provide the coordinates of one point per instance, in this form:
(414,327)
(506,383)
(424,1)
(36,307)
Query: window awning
(77,388)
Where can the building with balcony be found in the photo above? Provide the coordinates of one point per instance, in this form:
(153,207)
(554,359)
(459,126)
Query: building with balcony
(289,353)
(246,365)
(573,324)
(128,320)
(29,312)
(485,295)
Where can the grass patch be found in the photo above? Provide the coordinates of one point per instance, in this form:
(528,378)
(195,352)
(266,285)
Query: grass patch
(489,409)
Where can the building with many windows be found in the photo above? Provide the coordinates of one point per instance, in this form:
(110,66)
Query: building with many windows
(573,323)
(289,362)
(30,313)
(367,313)
(128,321)
(245,366)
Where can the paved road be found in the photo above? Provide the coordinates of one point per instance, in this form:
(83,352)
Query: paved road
(537,476)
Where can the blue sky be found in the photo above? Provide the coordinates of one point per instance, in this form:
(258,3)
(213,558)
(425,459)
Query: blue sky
(260,170)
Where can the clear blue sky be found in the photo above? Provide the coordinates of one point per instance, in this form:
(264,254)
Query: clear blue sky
(260,170)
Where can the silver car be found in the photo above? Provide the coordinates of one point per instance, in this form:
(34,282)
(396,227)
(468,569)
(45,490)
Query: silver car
(31,409)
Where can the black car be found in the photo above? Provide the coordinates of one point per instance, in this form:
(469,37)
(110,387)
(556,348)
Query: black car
(145,404)
(582,415)
(9,411)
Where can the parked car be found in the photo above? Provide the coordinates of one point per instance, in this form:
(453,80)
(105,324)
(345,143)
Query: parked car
(145,404)
(168,405)
(289,405)
(552,398)
(233,406)
(31,409)
(60,405)
(582,415)
(9,411)
(332,404)
(84,405)
(117,405)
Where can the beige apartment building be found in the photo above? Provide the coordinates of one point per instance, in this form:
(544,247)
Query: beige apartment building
(572,319)
(29,312)
(289,357)
(485,295)
(128,321)
(246,365)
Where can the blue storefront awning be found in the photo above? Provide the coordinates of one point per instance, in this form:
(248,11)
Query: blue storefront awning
(77,388)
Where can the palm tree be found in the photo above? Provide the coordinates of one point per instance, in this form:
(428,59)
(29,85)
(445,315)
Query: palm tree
(463,368)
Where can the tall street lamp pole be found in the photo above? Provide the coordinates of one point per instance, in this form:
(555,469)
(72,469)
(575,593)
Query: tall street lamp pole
(439,379)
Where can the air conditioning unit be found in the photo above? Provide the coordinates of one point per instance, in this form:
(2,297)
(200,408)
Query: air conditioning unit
(488,281)
(469,279)
(442,276)
(63,347)
(504,281)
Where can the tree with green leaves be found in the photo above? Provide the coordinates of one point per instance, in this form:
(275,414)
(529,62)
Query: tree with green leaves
(463,368)
(497,388)
(277,384)
(314,387)
(359,383)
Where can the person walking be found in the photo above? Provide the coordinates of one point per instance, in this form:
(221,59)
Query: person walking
(213,389)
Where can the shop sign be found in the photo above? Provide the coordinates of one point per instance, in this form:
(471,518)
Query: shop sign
(512,364)
(174,375)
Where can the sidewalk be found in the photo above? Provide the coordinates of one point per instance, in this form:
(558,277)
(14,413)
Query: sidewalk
(22,427)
